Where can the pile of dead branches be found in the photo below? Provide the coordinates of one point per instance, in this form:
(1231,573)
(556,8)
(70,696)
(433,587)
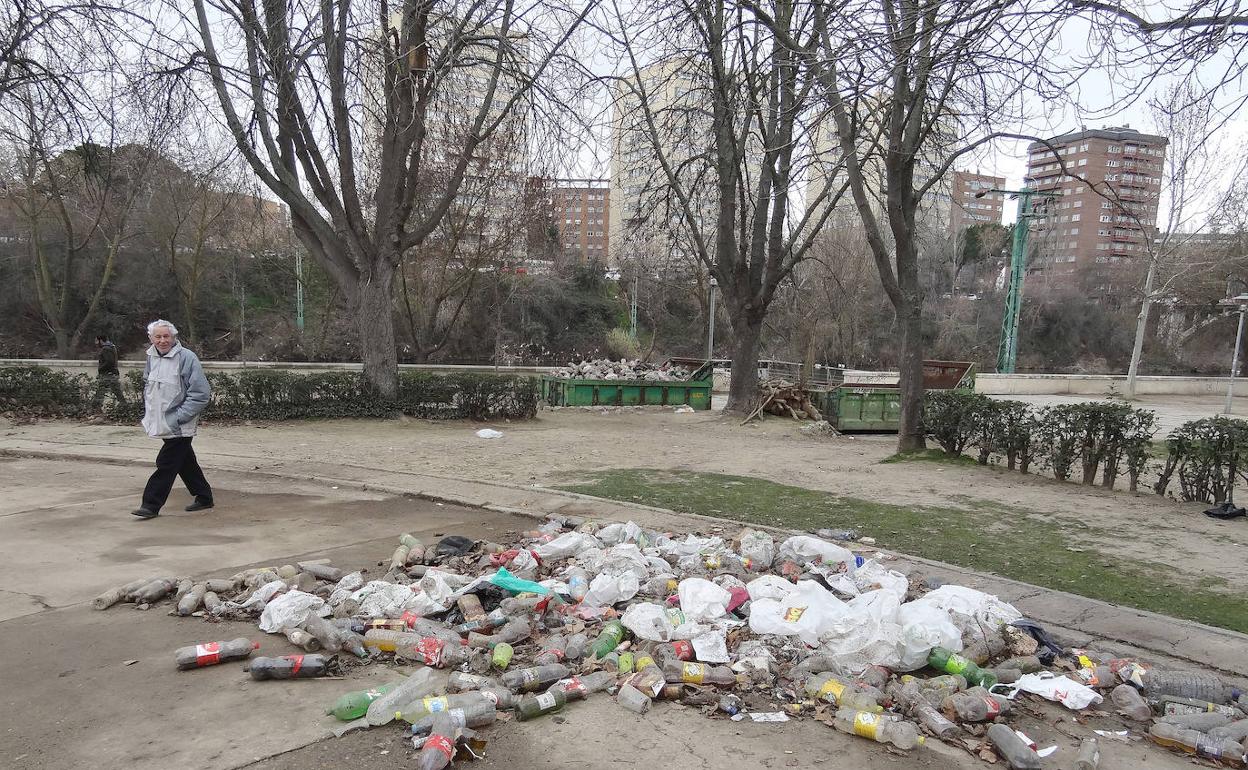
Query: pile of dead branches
(784,399)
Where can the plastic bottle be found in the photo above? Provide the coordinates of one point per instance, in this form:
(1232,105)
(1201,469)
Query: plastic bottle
(416,710)
(581,687)
(415,549)
(193,598)
(1016,753)
(909,699)
(354,705)
(212,603)
(322,571)
(427,627)
(1174,704)
(553,650)
(514,606)
(829,688)
(1098,677)
(439,748)
(648,677)
(633,699)
(212,653)
(610,637)
(950,662)
(1028,664)
(977,706)
(625,663)
(578,583)
(1237,731)
(470,606)
(155,590)
(325,632)
(302,639)
(421,683)
(1198,685)
(1224,750)
(460,682)
(880,728)
(1202,723)
(501,697)
(698,673)
(1089,757)
(1130,703)
(981,651)
(660,586)
(353,643)
(876,676)
(532,706)
(576,647)
(681,649)
(501,656)
(292,666)
(516,630)
(481,714)
(534,679)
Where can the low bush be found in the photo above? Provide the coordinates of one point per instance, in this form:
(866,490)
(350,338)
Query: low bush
(1208,455)
(279,395)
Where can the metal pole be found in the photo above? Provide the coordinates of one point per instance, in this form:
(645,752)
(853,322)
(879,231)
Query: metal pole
(710,326)
(632,315)
(1239,337)
(1007,352)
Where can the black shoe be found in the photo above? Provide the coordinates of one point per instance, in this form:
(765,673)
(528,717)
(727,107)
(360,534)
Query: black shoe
(144,513)
(199,506)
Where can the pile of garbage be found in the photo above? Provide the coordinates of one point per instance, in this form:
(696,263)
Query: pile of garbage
(742,628)
(606,369)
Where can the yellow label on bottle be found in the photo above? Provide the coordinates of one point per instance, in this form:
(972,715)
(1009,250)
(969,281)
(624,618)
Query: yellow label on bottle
(434,705)
(1086,662)
(794,614)
(692,672)
(833,688)
(712,562)
(643,662)
(672,585)
(866,725)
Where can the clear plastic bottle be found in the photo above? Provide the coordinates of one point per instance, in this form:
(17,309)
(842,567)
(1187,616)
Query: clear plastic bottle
(212,603)
(292,666)
(1175,704)
(501,697)
(552,650)
(212,653)
(977,705)
(155,590)
(909,698)
(421,683)
(416,710)
(515,606)
(1199,722)
(698,673)
(950,662)
(427,627)
(534,679)
(1224,750)
(828,687)
(439,748)
(633,699)
(460,682)
(576,647)
(481,714)
(1016,753)
(1089,757)
(325,632)
(516,630)
(353,643)
(193,598)
(1236,731)
(578,583)
(881,728)
(1130,703)
(533,705)
(581,687)
(1199,685)
(354,705)
(302,639)
(875,676)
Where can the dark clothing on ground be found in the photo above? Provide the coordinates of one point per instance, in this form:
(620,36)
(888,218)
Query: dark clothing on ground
(176,458)
(108,360)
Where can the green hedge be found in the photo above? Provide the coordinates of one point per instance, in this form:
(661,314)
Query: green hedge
(278,395)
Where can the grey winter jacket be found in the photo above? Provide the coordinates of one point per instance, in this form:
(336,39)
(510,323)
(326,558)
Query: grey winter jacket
(175,391)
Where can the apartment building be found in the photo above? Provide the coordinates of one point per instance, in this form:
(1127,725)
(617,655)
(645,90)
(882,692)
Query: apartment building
(1099,213)
(580,212)
(968,207)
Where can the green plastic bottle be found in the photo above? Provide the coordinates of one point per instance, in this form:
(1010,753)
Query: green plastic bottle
(950,662)
(502,656)
(354,705)
(610,638)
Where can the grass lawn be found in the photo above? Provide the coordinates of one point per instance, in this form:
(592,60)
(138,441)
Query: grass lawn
(983,536)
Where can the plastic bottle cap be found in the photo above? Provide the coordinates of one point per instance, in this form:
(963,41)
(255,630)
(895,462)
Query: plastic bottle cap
(255,645)
(922,740)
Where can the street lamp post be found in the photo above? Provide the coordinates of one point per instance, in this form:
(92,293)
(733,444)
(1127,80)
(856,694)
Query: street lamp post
(710,324)
(1242,302)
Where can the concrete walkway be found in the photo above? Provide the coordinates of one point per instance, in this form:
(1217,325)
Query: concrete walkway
(1076,619)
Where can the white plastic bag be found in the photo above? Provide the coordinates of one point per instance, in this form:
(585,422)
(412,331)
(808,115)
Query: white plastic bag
(489,433)
(922,628)
(693,545)
(805,549)
(865,634)
(290,610)
(769,587)
(971,609)
(872,575)
(701,599)
(805,612)
(657,623)
(605,590)
(1071,694)
(348,585)
(710,646)
(379,599)
(566,545)
(759,548)
(614,534)
(263,595)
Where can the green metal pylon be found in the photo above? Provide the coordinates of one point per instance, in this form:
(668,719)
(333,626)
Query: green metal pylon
(1007,351)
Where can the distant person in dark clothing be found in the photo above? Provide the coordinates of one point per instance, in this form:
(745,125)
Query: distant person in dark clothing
(107,378)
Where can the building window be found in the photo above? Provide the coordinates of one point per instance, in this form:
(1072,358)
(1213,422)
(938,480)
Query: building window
(1112,163)
(1074,231)
(1083,147)
(1074,217)
(1115,148)
(1106,218)
(1078,204)
(1083,161)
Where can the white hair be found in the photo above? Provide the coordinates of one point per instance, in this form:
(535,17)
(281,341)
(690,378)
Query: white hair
(151,328)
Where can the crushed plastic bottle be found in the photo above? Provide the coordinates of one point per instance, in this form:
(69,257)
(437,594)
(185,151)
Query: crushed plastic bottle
(581,687)
(461,682)
(698,673)
(354,705)
(536,678)
(421,683)
(881,728)
(828,687)
(576,647)
(482,714)
(416,710)
(1089,757)
(1197,685)
(292,666)
(1224,750)
(633,699)
(578,583)
(950,662)
(439,748)
(192,600)
(1130,703)
(1168,705)
(212,653)
(977,705)
(1013,749)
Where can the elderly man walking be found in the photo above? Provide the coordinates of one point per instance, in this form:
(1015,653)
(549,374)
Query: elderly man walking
(175,391)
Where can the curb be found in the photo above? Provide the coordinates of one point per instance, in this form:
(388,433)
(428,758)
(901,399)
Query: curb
(1082,604)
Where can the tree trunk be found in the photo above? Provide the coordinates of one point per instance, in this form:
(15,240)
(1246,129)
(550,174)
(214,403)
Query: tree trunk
(61,336)
(743,383)
(374,322)
(910,385)
(1141,328)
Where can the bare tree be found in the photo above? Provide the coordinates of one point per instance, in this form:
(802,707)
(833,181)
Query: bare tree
(727,115)
(332,105)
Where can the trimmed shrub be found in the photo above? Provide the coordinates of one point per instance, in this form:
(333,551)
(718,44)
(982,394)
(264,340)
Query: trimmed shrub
(952,418)
(1208,455)
(278,395)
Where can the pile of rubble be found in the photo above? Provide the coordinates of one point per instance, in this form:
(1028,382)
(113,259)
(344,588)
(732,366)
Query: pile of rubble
(605,369)
(746,628)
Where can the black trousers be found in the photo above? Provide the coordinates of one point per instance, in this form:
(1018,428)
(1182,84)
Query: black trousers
(176,458)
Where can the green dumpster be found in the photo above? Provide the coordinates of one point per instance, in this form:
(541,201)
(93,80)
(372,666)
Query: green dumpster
(695,391)
(873,407)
